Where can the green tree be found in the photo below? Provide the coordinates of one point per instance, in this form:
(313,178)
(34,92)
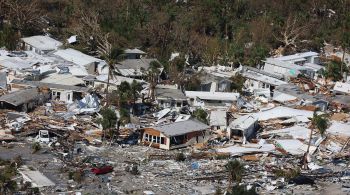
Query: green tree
(237,83)
(109,118)
(108,121)
(201,115)
(7,172)
(235,171)
(334,71)
(124,94)
(136,88)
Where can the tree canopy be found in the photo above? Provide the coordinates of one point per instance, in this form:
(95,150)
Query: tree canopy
(209,31)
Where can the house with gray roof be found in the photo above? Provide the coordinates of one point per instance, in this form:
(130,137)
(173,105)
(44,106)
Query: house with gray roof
(170,98)
(61,92)
(40,44)
(23,100)
(175,135)
(243,128)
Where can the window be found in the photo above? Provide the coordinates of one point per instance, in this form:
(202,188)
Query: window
(154,140)
(146,137)
(178,104)
(54,93)
(162,140)
(68,97)
(158,140)
(58,95)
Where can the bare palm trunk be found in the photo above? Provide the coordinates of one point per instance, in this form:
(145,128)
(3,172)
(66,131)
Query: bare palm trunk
(308,149)
(341,65)
(107,88)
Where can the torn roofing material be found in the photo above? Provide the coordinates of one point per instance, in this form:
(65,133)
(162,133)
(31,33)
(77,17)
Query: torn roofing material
(205,95)
(218,118)
(20,97)
(3,80)
(342,87)
(282,112)
(181,128)
(339,128)
(36,178)
(297,132)
(50,85)
(76,57)
(247,149)
(244,122)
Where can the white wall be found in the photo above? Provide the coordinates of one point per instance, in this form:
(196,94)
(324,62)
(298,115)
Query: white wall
(65,96)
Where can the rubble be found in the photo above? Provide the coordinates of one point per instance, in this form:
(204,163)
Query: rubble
(161,145)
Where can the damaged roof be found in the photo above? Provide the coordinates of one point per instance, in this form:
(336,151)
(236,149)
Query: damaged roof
(136,64)
(282,112)
(166,93)
(20,97)
(244,122)
(63,79)
(181,127)
(205,95)
(218,118)
(76,57)
(50,85)
(3,80)
(42,42)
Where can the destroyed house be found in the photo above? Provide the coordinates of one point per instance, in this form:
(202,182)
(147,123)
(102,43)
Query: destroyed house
(65,93)
(260,80)
(23,100)
(175,135)
(91,64)
(243,128)
(170,98)
(204,98)
(40,44)
(289,69)
(218,119)
(301,58)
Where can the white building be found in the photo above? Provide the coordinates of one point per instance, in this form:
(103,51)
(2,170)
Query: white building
(218,119)
(40,44)
(243,128)
(292,65)
(91,64)
(206,98)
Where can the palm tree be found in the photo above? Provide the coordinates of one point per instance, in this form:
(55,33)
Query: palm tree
(235,170)
(152,77)
(320,123)
(135,90)
(113,57)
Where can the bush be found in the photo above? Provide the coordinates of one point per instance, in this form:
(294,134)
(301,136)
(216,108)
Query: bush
(180,157)
(36,147)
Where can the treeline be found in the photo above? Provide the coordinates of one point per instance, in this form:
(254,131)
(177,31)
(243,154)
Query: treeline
(209,31)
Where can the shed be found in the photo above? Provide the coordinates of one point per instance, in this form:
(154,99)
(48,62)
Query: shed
(243,127)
